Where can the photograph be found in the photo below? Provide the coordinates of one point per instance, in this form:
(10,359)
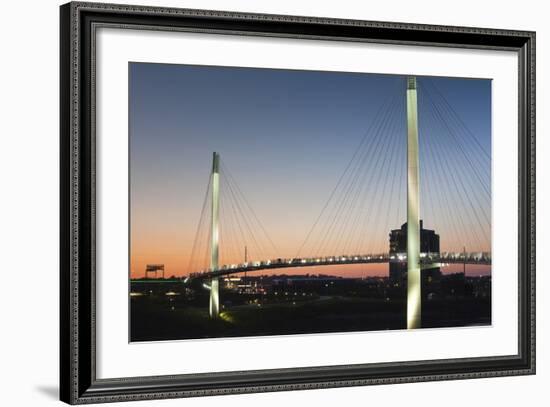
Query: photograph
(277,201)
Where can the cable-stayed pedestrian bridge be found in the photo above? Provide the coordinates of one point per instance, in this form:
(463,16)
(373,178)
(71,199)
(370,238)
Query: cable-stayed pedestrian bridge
(378,189)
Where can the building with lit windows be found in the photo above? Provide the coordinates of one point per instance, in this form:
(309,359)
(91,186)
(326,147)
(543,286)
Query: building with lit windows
(429,244)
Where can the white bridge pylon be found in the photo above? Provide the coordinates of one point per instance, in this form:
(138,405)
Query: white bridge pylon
(414,286)
(215,237)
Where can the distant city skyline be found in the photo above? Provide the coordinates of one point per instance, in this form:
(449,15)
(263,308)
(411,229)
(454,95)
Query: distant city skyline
(287,136)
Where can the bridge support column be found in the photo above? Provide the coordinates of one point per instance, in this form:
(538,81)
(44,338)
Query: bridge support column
(214,237)
(414,295)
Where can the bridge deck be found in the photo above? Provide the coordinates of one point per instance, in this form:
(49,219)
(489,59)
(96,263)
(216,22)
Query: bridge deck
(331,261)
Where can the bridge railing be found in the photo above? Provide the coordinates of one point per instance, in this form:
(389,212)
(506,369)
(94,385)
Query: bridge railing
(445,257)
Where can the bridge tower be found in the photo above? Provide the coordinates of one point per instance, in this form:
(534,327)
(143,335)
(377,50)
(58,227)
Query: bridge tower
(414,298)
(215,236)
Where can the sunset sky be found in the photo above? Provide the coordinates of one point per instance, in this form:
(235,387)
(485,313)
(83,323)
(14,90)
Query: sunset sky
(286,137)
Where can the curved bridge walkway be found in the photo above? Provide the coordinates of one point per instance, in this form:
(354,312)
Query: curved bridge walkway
(427,262)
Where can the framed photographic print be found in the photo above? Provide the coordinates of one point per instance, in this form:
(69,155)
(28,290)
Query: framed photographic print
(257,203)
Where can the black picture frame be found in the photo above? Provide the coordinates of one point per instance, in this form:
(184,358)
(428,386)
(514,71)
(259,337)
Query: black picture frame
(78,382)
